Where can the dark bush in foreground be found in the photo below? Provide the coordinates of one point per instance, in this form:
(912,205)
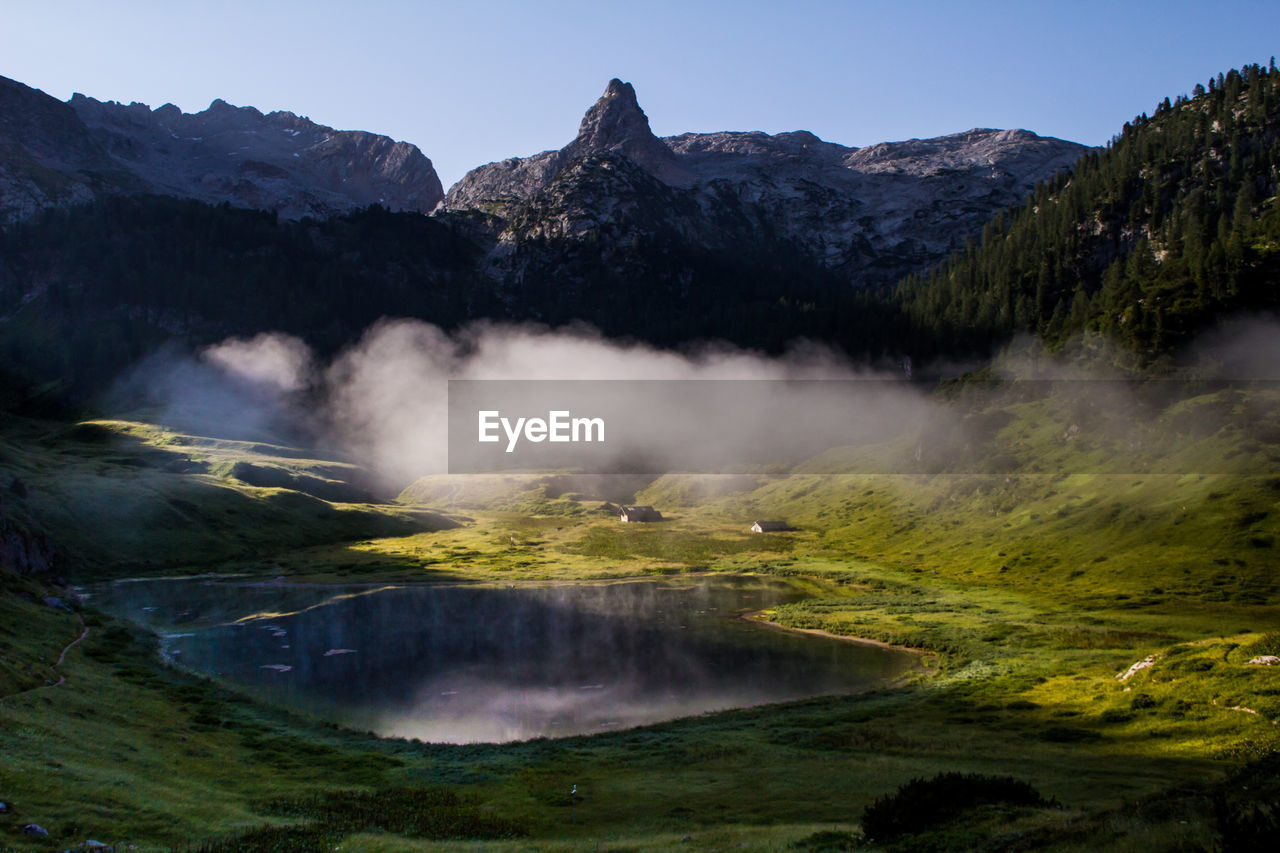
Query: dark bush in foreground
(1246,808)
(1247,827)
(922,804)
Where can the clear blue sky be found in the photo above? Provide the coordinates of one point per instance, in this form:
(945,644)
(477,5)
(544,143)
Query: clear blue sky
(478,80)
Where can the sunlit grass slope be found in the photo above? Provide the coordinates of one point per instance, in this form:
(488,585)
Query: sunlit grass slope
(126,497)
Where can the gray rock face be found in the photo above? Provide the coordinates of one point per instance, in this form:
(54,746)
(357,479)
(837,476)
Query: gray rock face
(278,161)
(614,124)
(617,124)
(54,154)
(874,214)
(47,156)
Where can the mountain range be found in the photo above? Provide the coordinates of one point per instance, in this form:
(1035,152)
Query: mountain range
(871,214)
(934,249)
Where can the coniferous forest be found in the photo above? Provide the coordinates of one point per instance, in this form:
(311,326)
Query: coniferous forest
(1172,227)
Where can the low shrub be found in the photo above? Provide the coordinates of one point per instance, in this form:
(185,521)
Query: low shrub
(1268,644)
(1141,701)
(922,805)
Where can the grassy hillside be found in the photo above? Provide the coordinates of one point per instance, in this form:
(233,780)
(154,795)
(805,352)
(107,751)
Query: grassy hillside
(124,497)
(1035,563)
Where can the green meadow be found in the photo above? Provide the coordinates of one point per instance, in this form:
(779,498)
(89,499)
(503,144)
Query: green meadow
(1032,564)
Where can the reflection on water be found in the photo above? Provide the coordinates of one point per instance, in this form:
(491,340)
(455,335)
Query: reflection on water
(471,664)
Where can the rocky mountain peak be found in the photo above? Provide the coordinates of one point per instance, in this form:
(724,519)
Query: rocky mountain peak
(872,214)
(614,120)
(616,123)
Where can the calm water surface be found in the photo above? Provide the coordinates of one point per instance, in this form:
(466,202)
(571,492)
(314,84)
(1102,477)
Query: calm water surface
(465,664)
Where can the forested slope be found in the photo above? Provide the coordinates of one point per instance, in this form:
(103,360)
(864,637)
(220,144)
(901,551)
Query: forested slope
(1171,228)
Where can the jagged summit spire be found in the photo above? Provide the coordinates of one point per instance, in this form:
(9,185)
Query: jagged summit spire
(614,122)
(617,87)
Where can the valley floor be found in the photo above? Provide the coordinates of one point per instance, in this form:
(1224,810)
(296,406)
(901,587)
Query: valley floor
(1028,596)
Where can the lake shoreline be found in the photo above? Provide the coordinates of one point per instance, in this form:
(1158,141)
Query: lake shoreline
(928,662)
(255,580)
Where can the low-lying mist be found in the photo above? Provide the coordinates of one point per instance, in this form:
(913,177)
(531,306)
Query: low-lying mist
(384,400)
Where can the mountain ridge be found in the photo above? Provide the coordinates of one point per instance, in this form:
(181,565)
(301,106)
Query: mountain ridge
(874,213)
(48,159)
(288,163)
(53,154)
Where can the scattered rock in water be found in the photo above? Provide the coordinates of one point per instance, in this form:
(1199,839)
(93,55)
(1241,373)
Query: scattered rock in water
(333,652)
(34,830)
(1264,660)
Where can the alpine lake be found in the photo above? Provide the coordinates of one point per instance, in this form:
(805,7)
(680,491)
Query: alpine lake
(486,663)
